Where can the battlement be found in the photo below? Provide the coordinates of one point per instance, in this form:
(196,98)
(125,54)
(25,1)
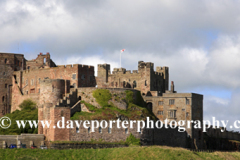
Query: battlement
(161,69)
(142,65)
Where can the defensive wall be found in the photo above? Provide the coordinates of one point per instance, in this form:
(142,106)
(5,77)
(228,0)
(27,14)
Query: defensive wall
(28,139)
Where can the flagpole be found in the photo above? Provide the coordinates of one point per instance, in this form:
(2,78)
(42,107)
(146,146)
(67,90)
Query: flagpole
(120,58)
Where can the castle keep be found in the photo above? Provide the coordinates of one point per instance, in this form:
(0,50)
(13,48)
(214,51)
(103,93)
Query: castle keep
(59,91)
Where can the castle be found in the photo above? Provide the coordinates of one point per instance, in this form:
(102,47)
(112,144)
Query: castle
(58,91)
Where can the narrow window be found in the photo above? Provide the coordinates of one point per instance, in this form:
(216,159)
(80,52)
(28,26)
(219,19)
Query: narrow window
(39,80)
(26,82)
(28,67)
(100,129)
(187,114)
(26,92)
(3,73)
(77,130)
(3,99)
(44,60)
(89,129)
(38,90)
(140,132)
(61,113)
(145,82)
(5,85)
(109,130)
(126,130)
(83,77)
(5,60)
(187,101)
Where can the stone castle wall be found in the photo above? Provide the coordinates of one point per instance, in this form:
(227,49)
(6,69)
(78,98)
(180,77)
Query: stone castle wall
(8,64)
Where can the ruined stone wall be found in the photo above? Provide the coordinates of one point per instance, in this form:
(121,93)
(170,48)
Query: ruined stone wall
(42,61)
(8,64)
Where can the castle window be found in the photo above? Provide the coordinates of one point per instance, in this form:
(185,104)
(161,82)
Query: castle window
(187,114)
(187,101)
(61,113)
(109,130)
(160,103)
(83,77)
(126,130)
(26,92)
(26,82)
(77,130)
(134,84)
(172,114)
(44,60)
(160,113)
(140,132)
(145,82)
(6,85)
(5,60)
(171,101)
(52,88)
(3,98)
(89,129)
(39,80)
(100,129)
(32,81)
(32,90)
(74,76)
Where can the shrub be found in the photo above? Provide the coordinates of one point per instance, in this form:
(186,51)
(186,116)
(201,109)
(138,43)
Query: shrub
(131,140)
(28,104)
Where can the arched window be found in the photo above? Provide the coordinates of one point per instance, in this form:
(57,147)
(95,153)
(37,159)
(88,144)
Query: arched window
(44,60)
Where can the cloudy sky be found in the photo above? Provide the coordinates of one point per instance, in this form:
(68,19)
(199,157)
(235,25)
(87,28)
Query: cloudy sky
(198,40)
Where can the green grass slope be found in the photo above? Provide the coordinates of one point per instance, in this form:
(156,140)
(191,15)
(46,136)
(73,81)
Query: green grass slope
(128,153)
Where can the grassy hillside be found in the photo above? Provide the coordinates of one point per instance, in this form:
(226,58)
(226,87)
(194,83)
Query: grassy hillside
(136,107)
(153,152)
(28,112)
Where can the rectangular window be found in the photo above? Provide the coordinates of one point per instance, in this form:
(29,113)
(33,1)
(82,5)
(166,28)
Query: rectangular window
(126,130)
(77,130)
(39,80)
(100,129)
(160,103)
(187,101)
(160,112)
(109,130)
(187,114)
(89,129)
(73,76)
(171,101)
(172,114)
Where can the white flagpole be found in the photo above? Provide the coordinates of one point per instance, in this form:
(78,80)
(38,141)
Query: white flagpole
(120,58)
